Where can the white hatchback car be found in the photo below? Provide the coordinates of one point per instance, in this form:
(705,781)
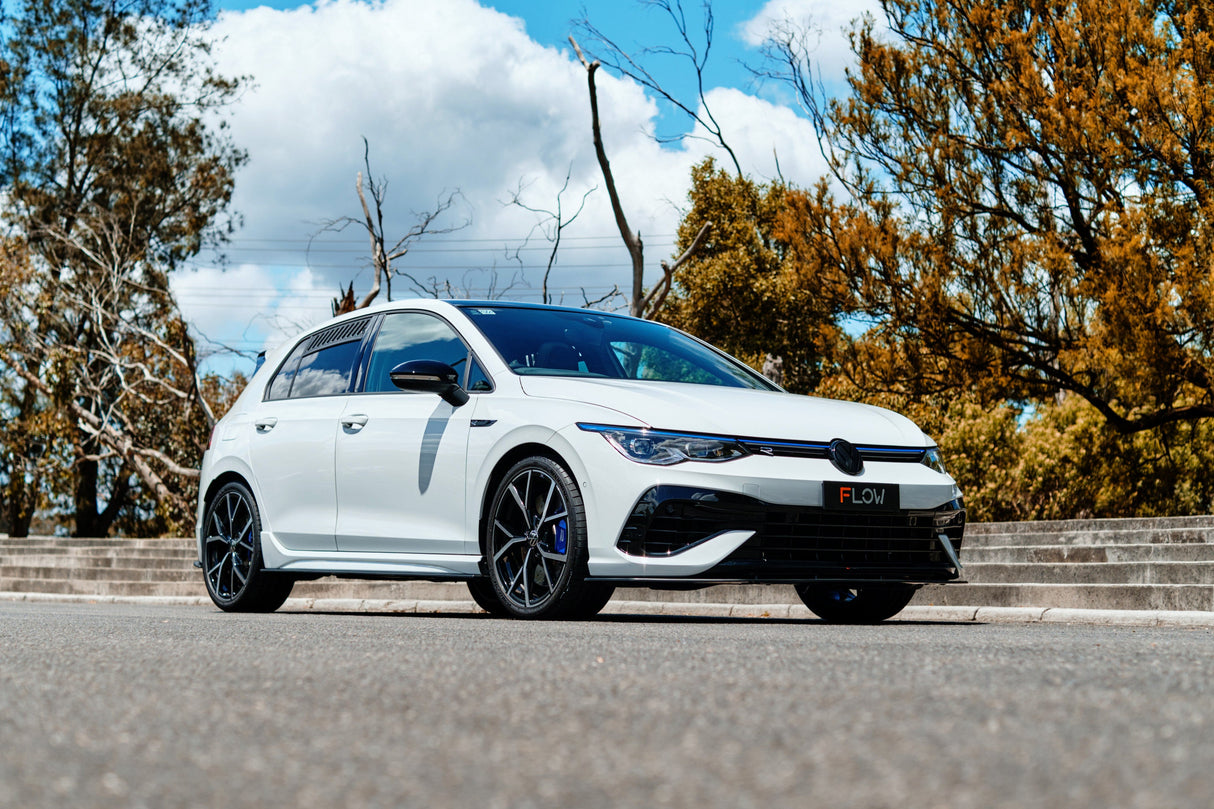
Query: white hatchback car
(545,455)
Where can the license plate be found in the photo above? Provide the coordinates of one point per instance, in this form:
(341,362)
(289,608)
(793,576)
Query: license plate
(860,496)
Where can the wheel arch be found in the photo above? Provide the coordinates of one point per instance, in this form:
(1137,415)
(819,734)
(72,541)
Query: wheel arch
(503,465)
(217,483)
(220,481)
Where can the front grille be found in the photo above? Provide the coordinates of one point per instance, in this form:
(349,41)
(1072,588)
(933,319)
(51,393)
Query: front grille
(817,449)
(795,542)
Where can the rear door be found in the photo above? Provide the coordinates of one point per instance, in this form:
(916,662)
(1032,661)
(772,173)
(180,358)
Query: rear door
(294,432)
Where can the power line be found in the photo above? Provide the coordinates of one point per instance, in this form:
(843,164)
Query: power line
(546,248)
(223,298)
(411,268)
(440,239)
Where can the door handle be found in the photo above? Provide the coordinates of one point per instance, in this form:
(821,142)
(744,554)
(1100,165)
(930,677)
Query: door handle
(264,425)
(356,422)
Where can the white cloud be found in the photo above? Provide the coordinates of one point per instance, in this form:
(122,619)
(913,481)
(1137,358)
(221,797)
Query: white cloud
(304,302)
(249,307)
(760,133)
(449,95)
(830,18)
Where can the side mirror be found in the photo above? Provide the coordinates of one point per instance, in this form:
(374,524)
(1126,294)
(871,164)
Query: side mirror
(430,376)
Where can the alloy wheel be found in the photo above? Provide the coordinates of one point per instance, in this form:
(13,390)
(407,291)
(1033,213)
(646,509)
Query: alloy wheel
(530,537)
(230,550)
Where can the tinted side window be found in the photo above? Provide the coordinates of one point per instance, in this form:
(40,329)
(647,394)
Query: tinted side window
(405,336)
(478,380)
(325,372)
(280,387)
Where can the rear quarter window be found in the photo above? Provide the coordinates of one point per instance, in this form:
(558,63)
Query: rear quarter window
(325,372)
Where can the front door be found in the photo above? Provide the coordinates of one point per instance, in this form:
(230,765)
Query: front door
(401,457)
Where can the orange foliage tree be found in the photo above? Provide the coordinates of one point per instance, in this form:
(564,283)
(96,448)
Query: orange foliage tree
(1029,200)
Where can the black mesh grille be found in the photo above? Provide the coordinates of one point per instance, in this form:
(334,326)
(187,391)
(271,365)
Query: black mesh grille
(814,543)
(796,543)
(340,333)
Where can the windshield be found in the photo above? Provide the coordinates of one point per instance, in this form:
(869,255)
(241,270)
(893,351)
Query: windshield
(563,342)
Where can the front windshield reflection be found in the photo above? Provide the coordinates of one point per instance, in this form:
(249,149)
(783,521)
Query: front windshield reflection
(582,343)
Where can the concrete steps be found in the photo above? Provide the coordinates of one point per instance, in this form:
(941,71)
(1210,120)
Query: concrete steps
(118,567)
(100,587)
(1059,554)
(1162,563)
(1132,564)
(1127,527)
(1075,573)
(1070,596)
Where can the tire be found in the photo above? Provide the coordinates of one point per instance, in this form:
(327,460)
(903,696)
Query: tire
(231,555)
(869,604)
(594,597)
(486,597)
(535,544)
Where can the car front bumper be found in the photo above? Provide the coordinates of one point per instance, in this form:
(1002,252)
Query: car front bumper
(762,519)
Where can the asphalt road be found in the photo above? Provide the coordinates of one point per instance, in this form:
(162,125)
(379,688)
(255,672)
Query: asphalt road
(118,705)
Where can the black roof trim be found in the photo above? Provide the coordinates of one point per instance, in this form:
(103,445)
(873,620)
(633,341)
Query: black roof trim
(544,306)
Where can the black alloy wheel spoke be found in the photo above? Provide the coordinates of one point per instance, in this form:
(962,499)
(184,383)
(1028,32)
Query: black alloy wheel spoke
(245,537)
(518,500)
(557,516)
(526,587)
(513,542)
(547,502)
(547,573)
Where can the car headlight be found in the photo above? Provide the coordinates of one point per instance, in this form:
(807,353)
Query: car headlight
(932,460)
(666,448)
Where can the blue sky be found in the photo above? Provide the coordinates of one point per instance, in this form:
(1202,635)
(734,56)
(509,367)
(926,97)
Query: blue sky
(481,97)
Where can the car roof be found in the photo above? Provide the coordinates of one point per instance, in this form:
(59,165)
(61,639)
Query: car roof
(438,304)
(547,307)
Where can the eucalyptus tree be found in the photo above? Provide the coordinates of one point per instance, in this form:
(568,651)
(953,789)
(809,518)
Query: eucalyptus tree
(116,168)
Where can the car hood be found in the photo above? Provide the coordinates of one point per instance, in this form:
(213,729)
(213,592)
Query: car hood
(733,411)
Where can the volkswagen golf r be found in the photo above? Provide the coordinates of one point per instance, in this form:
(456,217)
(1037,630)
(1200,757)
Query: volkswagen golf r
(545,455)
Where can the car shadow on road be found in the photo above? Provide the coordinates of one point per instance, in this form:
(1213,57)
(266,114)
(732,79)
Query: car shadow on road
(623,618)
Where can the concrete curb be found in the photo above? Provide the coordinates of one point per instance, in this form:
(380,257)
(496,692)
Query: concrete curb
(981,615)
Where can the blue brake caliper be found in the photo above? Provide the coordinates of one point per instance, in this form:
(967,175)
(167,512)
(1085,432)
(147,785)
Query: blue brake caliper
(561,529)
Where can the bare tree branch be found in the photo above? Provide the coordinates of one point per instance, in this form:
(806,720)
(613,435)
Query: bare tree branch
(372,221)
(111,347)
(639,304)
(552,223)
(657,296)
(590,304)
(788,59)
(616,58)
(98,297)
(432,287)
(632,241)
